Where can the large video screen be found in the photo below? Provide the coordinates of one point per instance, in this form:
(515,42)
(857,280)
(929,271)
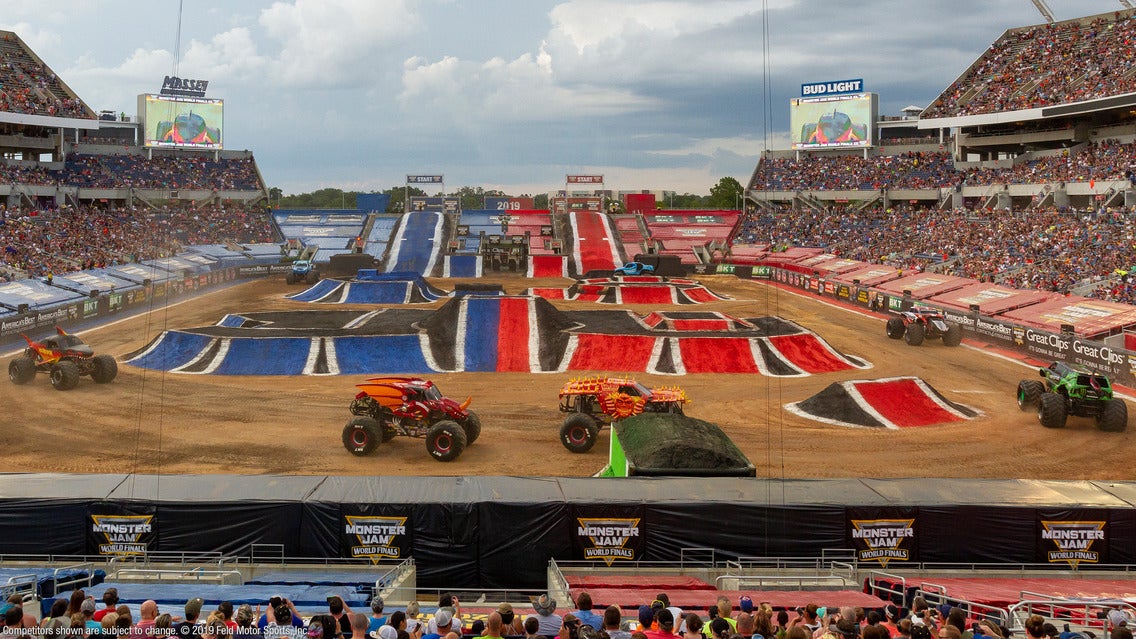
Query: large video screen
(832,121)
(182,122)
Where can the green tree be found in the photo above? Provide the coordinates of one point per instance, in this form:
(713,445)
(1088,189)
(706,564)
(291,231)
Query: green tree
(726,194)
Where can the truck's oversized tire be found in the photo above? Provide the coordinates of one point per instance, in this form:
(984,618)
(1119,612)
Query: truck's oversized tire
(472,427)
(103,369)
(445,440)
(1029,390)
(953,335)
(914,334)
(1051,410)
(579,433)
(895,328)
(361,436)
(290,277)
(65,375)
(312,277)
(21,370)
(1113,418)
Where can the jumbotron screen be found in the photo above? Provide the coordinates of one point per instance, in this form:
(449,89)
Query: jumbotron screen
(832,121)
(182,122)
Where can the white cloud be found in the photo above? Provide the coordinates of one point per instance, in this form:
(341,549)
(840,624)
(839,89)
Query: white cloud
(334,42)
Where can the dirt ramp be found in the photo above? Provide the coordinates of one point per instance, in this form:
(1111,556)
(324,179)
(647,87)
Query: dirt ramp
(895,402)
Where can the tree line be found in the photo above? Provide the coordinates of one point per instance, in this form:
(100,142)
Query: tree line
(726,194)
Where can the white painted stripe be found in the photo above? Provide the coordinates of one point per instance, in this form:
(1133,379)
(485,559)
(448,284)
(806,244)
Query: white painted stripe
(149,349)
(409,292)
(758,356)
(616,262)
(436,242)
(332,357)
(198,358)
(942,404)
(446,266)
(361,320)
(850,388)
(563,266)
(534,336)
(396,243)
(219,359)
(786,360)
(313,355)
(796,410)
(676,354)
(674,295)
(531,268)
(459,335)
(427,354)
(576,255)
(569,352)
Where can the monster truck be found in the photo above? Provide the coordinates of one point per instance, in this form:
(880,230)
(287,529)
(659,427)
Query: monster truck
(595,401)
(389,406)
(65,358)
(634,268)
(920,323)
(1070,389)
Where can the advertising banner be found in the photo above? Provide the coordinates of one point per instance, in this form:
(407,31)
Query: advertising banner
(116,529)
(609,533)
(1073,537)
(884,535)
(376,532)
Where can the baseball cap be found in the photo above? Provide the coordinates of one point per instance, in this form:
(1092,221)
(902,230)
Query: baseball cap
(88,605)
(1117,617)
(504,608)
(193,606)
(443,617)
(746,603)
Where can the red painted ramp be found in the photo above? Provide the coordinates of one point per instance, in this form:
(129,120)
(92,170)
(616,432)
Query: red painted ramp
(646,295)
(717,355)
(513,336)
(698,600)
(809,354)
(905,403)
(1003,592)
(548,266)
(612,353)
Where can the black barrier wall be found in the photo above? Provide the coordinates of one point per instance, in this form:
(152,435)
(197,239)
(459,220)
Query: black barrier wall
(500,532)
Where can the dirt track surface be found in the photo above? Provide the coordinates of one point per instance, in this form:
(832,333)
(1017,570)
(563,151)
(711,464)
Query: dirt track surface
(153,422)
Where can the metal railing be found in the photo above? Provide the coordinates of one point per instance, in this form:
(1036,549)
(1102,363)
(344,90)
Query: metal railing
(192,575)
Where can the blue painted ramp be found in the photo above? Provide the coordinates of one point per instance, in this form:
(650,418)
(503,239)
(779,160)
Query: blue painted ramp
(482,317)
(265,356)
(170,350)
(463,266)
(379,293)
(365,355)
(415,247)
(317,291)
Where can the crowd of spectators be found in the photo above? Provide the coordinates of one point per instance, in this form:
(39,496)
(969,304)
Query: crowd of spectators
(27,87)
(1104,160)
(139,172)
(76,614)
(1045,65)
(38,242)
(1047,249)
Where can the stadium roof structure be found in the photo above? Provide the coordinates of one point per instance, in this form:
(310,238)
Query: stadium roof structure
(991,299)
(1090,318)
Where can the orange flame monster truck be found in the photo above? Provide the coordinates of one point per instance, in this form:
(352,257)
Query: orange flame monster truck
(595,401)
(390,406)
(65,358)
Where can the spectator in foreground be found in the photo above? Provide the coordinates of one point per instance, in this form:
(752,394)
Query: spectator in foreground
(584,612)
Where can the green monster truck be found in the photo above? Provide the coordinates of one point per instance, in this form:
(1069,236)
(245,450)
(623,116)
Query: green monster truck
(1070,389)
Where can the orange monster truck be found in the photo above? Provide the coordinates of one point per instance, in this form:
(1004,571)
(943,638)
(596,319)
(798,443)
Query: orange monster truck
(389,406)
(595,401)
(65,358)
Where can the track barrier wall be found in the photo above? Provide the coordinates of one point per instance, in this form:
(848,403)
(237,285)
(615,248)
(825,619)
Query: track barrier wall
(1117,363)
(500,532)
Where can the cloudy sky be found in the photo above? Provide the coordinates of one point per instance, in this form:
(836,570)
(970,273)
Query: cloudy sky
(513,94)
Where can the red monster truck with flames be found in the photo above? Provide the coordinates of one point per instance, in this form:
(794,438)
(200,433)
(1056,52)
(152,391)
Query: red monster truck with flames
(63,356)
(595,401)
(386,407)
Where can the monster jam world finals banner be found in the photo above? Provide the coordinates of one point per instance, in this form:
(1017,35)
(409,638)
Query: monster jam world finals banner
(114,530)
(609,533)
(883,536)
(1073,537)
(376,537)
